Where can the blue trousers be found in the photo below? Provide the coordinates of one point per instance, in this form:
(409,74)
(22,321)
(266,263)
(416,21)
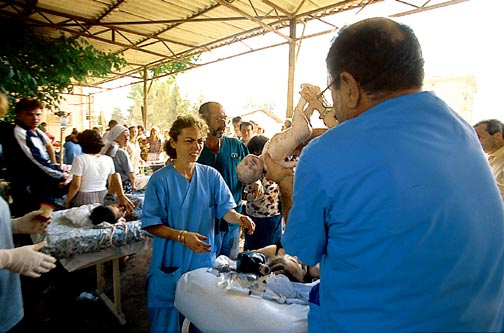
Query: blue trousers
(268,231)
(228,242)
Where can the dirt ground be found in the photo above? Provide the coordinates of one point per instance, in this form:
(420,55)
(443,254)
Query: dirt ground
(84,315)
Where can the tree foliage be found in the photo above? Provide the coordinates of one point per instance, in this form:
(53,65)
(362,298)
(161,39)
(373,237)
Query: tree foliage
(43,68)
(164,104)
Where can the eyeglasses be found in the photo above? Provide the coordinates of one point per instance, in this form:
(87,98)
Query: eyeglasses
(325,98)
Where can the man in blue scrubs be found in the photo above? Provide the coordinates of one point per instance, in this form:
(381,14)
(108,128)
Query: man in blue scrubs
(397,202)
(223,154)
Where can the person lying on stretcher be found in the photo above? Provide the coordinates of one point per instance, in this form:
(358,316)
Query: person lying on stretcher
(290,266)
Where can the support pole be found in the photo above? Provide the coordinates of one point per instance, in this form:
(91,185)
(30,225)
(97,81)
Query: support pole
(292,68)
(90,116)
(144,109)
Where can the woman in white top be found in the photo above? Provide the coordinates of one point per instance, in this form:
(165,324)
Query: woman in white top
(91,172)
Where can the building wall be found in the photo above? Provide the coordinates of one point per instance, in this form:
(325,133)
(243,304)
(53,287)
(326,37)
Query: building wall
(77,105)
(457,92)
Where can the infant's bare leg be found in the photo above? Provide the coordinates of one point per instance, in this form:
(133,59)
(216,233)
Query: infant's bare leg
(309,111)
(301,128)
(283,144)
(310,92)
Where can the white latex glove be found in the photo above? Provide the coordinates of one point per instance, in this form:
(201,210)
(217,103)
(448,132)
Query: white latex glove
(26,260)
(31,223)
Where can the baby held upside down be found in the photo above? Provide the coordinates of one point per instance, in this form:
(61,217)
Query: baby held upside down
(281,145)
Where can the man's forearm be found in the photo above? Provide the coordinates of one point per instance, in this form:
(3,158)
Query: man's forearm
(52,154)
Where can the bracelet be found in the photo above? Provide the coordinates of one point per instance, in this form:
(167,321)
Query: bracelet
(181,236)
(283,177)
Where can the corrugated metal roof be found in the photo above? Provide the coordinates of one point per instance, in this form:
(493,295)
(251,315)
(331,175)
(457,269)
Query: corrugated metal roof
(153,32)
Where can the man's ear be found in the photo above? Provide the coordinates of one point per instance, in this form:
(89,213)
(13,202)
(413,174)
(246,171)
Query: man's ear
(499,136)
(350,90)
(172,143)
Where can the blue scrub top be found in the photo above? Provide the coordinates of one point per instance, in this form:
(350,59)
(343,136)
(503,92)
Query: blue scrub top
(230,154)
(193,206)
(400,207)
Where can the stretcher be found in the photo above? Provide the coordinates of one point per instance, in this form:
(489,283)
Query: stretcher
(81,247)
(212,308)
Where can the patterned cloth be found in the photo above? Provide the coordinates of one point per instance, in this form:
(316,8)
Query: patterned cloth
(264,205)
(65,240)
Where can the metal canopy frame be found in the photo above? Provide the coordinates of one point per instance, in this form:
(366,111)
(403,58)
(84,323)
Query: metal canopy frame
(150,33)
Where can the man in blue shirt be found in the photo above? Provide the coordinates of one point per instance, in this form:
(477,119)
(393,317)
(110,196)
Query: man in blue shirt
(71,148)
(397,202)
(223,154)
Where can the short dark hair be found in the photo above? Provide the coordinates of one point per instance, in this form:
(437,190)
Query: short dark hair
(493,126)
(102,214)
(256,144)
(170,151)
(141,127)
(236,120)
(246,123)
(382,55)
(185,121)
(28,104)
(280,265)
(112,122)
(90,141)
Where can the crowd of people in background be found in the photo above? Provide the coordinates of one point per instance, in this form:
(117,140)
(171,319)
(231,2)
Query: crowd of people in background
(395,199)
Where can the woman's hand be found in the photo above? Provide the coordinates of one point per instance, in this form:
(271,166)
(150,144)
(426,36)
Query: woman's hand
(195,242)
(247,223)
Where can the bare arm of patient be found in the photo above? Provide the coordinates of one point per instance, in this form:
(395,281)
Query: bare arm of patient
(284,177)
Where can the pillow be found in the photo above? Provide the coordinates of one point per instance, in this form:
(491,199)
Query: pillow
(79,216)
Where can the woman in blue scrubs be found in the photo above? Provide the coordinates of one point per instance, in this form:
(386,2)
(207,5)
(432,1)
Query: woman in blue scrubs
(181,203)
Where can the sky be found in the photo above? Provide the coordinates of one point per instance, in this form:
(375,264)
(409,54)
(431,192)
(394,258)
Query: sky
(457,40)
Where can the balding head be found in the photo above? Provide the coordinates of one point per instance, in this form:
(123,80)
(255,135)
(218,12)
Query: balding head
(215,117)
(206,108)
(382,55)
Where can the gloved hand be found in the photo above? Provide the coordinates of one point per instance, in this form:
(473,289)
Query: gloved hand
(26,260)
(30,223)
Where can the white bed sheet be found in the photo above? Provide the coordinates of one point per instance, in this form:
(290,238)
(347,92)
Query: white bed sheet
(212,308)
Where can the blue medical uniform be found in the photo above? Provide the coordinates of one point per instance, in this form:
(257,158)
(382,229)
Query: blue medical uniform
(11,301)
(231,152)
(400,207)
(193,206)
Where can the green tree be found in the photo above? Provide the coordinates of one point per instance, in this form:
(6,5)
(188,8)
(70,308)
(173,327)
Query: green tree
(117,115)
(163,105)
(34,66)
